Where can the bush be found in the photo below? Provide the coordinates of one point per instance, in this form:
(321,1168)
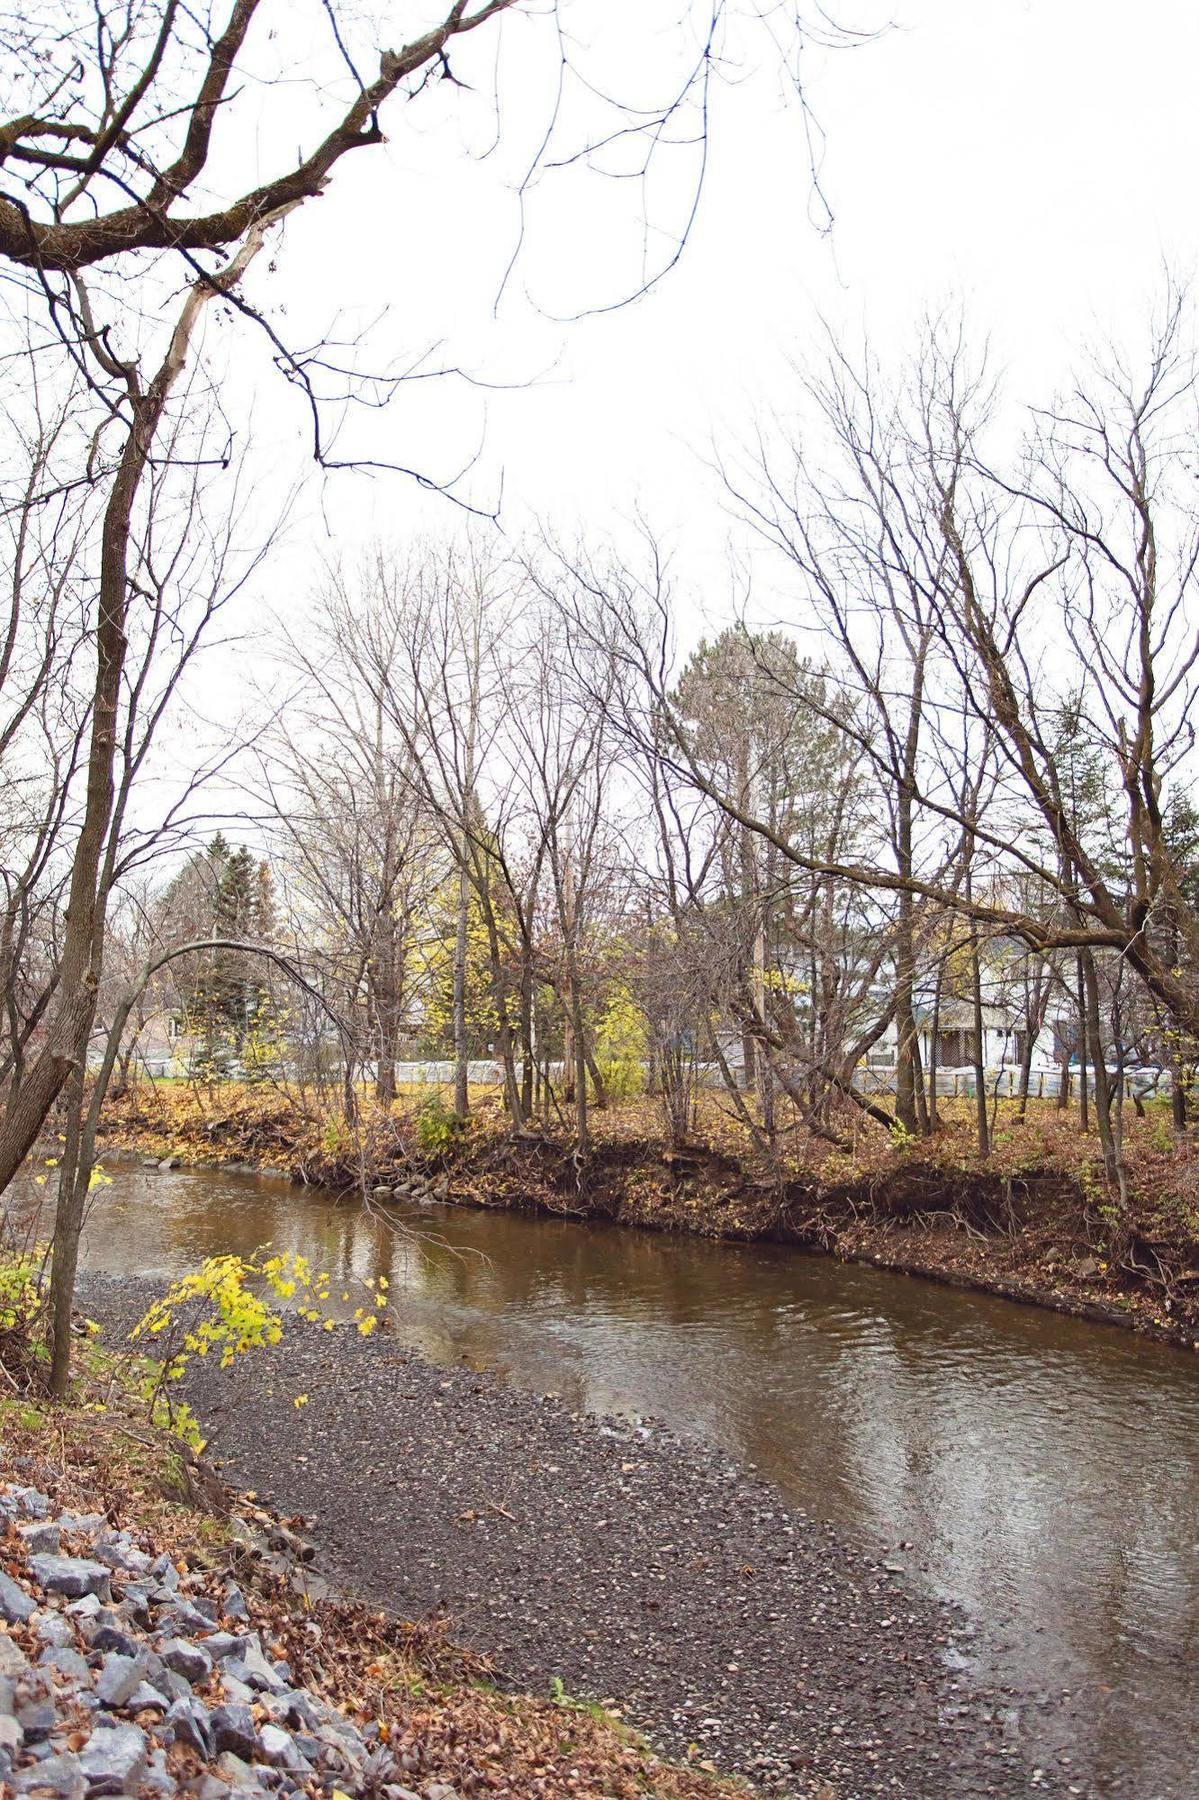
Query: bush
(621,1047)
(437,1128)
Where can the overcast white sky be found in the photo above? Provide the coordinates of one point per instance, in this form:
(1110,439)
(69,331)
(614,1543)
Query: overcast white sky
(1035,160)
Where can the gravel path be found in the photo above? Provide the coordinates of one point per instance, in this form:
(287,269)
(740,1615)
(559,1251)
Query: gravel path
(633,1567)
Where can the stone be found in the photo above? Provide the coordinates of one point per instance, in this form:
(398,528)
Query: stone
(164,1571)
(88,1523)
(144,1695)
(188,1660)
(87,1608)
(190,1724)
(36,1706)
(175,1687)
(113,1759)
(230,1767)
(8,1695)
(119,1552)
(279,1748)
(296,1707)
(118,1677)
(234,1602)
(73,1576)
(13,1660)
(65,1661)
(59,1775)
(30,1503)
(233,1729)
(236,1692)
(12,1735)
(440,1790)
(107,1636)
(182,1618)
(222,1644)
(170,1162)
(15,1604)
(41,1534)
(157,1778)
(53,1629)
(253,1668)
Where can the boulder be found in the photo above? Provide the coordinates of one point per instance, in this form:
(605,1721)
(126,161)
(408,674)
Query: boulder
(118,1678)
(113,1759)
(41,1534)
(65,1661)
(59,1775)
(15,1604)
(190,1723)
(186,1659)
(233,1729)
(74,1576)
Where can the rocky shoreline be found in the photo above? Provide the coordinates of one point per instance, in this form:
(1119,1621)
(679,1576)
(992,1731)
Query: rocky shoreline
(123,1671)
(618,1563)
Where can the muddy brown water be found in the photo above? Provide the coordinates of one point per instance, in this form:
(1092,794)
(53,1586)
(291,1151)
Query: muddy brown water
(1041,1472)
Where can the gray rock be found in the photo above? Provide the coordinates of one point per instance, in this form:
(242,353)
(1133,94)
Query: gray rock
(237,1773)
(119,1552)
(171,1162)
(253,1668)
(279,1748)
(41,1534)
(164,1571)
(36,1706)
(146,1694)
(182,1618)
(297,1708)
(70,1575)
(440,1790)
(222,1644)
(29,1503)
(88,1523)
(87,1608)
(234,1602)
(12,1736)
(53,1629)
(236,1692)
(108,1636)
(15,1604)
(13,1660)
(8,1696)
(175,1687)
(59,1775)
(188,1660)
(119,1676)
(64,1661)
(233,1729)
(158,1778)
(190,1724)
(113,1759)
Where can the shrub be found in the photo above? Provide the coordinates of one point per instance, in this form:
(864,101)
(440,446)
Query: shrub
(621,1046)
(437,1128)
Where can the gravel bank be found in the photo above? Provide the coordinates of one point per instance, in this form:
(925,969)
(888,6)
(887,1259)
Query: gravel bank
(633,1567)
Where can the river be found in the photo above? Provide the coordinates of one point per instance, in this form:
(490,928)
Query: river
(1041,1472)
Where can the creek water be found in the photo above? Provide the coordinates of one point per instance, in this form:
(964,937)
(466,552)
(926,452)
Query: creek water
(1041,1472)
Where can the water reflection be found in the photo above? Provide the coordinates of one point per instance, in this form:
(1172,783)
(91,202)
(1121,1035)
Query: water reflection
(1046,1472)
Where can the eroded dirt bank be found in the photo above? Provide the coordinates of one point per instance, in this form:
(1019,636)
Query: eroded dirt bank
(627,1566)
(1031,1231)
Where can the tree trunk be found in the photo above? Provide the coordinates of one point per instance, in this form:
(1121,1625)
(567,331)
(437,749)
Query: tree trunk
(461,1048)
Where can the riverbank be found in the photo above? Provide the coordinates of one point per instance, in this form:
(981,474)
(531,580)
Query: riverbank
(161,1635)
(1028,1225)
(622,1564)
